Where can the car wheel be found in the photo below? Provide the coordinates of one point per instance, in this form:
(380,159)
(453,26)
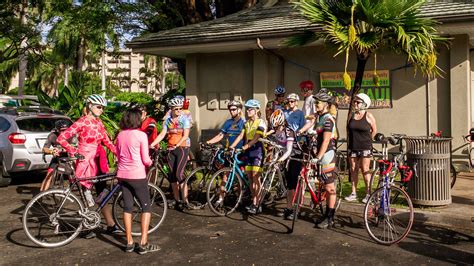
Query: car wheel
(4,181)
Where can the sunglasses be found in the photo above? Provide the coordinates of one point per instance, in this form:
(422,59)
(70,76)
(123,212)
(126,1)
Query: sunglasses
(250,109)
(233,109)
(358,102)
(291,101)
(177,109)
(100,107)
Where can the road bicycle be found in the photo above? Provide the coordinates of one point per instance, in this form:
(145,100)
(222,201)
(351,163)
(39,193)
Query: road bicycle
(199,178)
(312,179)
(228,187)
(389,213)
(55,217)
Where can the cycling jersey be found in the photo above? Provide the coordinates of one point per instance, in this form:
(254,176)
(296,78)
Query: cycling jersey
(186,113)
(295,119)
(326,123)
(254,154)
(149,127)
(175,129)
(231,129)
(254,127)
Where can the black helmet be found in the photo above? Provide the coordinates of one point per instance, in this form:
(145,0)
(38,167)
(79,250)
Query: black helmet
(62,124)
(324,96)
(235,103)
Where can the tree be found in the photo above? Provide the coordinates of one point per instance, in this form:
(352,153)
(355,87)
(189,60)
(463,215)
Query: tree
(366,26)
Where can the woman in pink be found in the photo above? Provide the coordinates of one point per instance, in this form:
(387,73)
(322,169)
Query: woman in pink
(90,133)
(133,157)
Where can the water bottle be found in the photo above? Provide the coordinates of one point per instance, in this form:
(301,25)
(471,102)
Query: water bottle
(102,196)
(89,198)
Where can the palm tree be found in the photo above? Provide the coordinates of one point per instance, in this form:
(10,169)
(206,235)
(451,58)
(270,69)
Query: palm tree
(365,26)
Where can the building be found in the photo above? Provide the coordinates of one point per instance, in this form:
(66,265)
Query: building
(241,56)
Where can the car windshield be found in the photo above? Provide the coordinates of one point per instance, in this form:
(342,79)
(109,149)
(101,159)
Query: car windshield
(37,124)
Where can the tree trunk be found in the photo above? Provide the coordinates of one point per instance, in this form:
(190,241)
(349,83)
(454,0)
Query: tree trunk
(80,55)
(22,56)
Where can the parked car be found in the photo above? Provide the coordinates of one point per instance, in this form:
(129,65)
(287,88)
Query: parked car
(23,132)
(15,100)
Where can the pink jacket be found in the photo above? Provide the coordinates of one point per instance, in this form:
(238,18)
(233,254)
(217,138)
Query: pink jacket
(132,154)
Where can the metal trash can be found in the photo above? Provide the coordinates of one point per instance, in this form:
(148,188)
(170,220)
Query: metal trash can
(432,156)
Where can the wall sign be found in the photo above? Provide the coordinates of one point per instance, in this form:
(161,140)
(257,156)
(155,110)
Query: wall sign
(381,96)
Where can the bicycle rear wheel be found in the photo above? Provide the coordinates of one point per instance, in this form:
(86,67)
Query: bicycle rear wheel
(57,180)
(298,202)
(159,208)
(338,186)
(453,175)
(221,202)
(265,196)
(48,225)
(197,185)
(388,215)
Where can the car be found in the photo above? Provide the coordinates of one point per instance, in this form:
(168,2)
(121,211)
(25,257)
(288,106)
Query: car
(23,132)
(15,100)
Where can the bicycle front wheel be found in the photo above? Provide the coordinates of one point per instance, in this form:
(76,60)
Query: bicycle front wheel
(51,219)
(159,208)
(298,201)
(453,176)
(197,185)
(388,215)
(223,198)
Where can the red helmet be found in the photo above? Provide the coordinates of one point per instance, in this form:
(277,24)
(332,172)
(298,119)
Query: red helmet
(307,84)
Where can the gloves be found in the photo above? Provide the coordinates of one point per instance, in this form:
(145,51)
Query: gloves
(315,161)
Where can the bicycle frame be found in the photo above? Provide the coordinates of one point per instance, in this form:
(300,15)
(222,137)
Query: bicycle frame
(317,198)
(235,166)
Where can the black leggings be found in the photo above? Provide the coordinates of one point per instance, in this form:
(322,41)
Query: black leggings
(293,171)
(137,188)
(177,160)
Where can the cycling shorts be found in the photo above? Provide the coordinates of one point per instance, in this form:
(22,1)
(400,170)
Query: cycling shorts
(254,158)
(360,154)
(328,166)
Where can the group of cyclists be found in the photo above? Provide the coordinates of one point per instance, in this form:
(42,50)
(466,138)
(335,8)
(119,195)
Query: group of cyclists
(283,121)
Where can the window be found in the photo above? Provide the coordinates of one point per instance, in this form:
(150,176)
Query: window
(37,124)
(4,124)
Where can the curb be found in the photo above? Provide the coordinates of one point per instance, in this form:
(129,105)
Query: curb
(452,221)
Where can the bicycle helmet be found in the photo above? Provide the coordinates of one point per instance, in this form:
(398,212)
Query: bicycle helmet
(96,99)
(307,84)
(176,101)
(379,137)
(293,96)
(62,124)
(280,90)
(324,96)
(235,103)
(252,103)
(365,98)
(277,118)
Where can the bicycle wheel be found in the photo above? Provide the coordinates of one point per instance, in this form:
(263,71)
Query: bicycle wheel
(264,193)
(157,177)
(375,180)
(341,163)
(57,180)
(197,185)
(297,204)
(388,215)
(220,202)
(52,219)
(453,175)
(279,185)
(338,185)
(159,208)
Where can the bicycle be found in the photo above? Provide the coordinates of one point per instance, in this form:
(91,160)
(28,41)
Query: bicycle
(309,172)
(381,219)
(55,217)
(235,184)
(198,178)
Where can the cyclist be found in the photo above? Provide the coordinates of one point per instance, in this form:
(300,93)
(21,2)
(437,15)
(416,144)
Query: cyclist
(277,103)
(326,155)
(309,107)
(148,124)
(133,157)
(230,130)
(254,128)
(176,127)
(294,117)
(285,136)
(91,133)
(51,146)
(362,129)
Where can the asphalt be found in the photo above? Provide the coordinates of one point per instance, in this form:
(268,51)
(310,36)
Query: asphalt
(459,215)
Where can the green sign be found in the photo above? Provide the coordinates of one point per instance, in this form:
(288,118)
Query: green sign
(380,95)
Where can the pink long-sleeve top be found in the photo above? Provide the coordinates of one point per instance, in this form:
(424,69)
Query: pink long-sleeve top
(89,130)
(132,153)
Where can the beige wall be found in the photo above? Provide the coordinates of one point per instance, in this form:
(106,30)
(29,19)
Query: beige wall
(256,73)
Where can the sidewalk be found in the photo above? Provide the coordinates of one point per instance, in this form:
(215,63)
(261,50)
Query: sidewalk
(454,216)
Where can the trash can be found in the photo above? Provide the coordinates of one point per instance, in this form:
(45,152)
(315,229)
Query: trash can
(432,156)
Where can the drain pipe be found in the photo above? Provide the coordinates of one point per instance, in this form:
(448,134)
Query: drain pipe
(428,107)
(280,59)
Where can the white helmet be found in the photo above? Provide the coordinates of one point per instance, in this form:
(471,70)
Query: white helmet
(365,98)
(176,101)
(277,118)
(293,96)
(96,99)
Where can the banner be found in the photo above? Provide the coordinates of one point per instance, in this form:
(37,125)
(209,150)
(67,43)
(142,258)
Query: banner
(381,96)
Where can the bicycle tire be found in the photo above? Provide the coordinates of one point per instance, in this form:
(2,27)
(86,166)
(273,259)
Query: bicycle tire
(57,180)
(159,209)
(453,175)
(197,186)
(297,204)
(279,185)
(157,177)
(341,163)
(46,225)
(338,185)
(377,224)
(267,184)
(375,180)
(232,198)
